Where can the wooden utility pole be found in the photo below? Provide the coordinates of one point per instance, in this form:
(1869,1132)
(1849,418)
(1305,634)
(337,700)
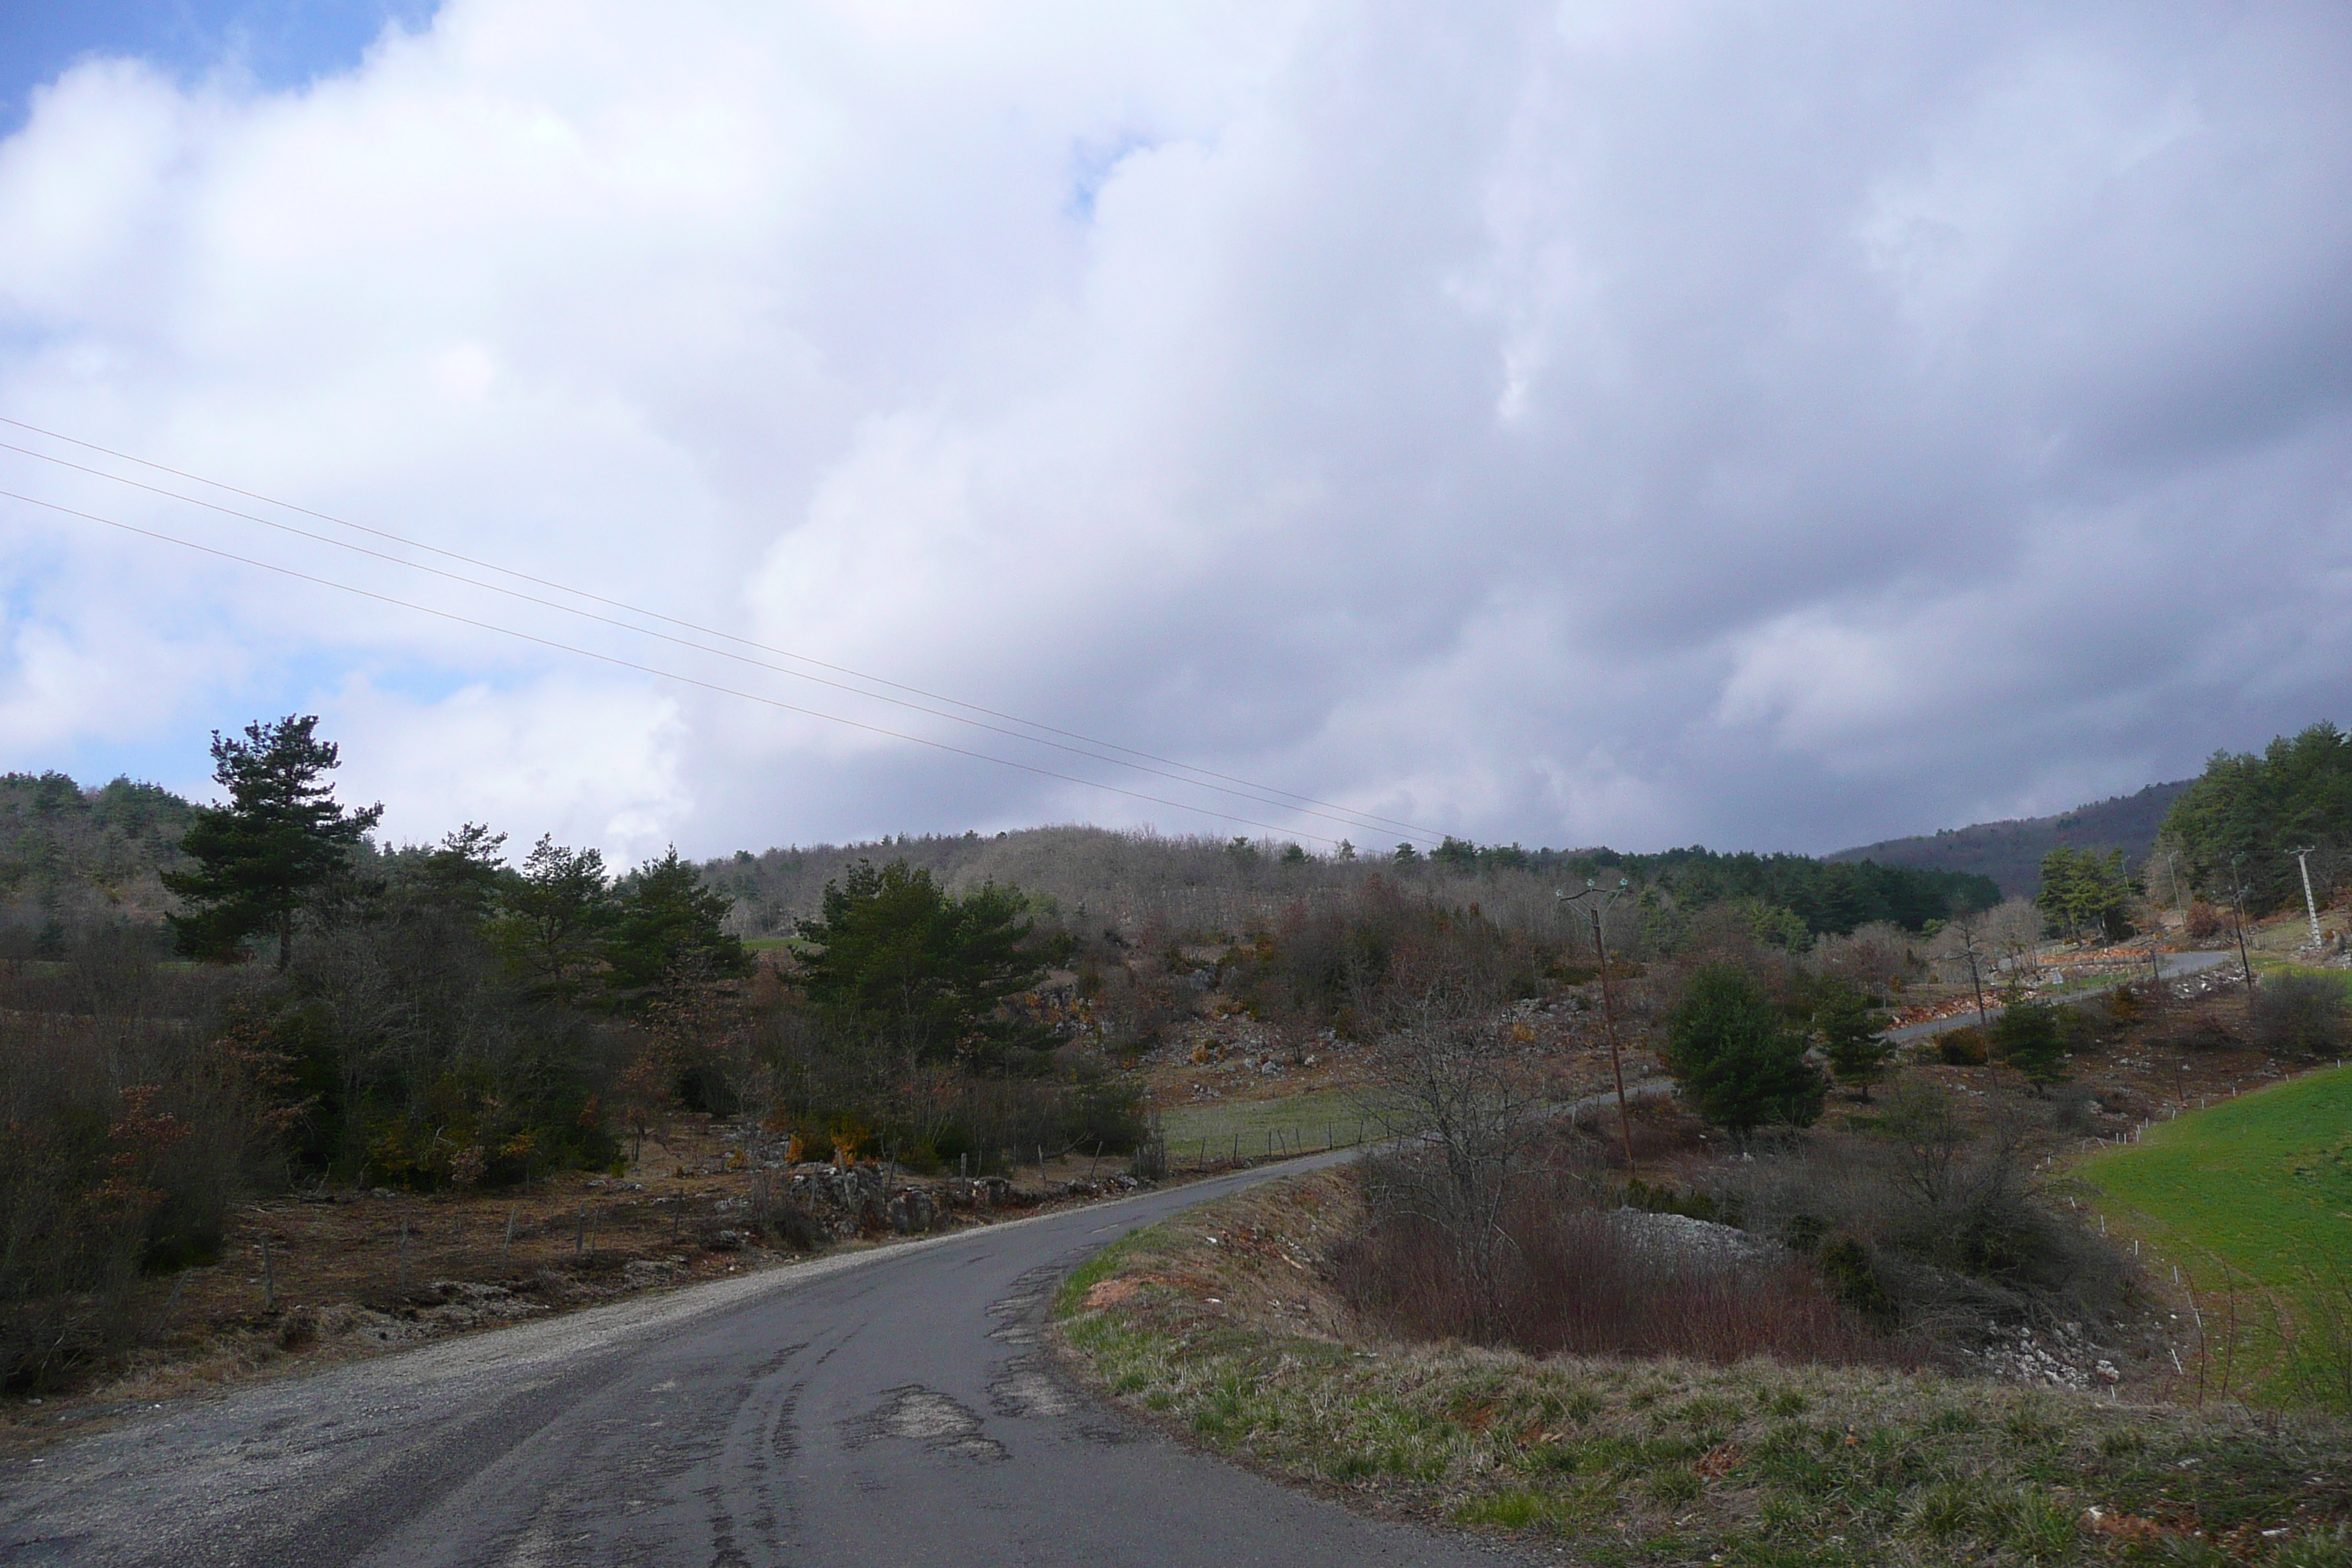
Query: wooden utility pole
(1608,1002)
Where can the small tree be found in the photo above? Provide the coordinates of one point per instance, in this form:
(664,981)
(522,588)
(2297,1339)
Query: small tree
(554,920)
(1738,1063)
(666,921)
(1450,1070)
(262,858)
(646,1091)
(1963,944)
(1853,1036)
(2012,931)
(2028,1037)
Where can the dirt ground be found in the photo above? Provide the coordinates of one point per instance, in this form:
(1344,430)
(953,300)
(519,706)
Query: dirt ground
(355,1273)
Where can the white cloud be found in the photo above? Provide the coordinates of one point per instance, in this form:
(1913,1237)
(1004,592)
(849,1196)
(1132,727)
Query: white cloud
(1606,421)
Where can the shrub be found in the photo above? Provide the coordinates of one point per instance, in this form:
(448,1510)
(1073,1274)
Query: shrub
(2072,1109)
(2299,1015)
(1962,1048)
(2030,1037)
(1589,1281)
(1946,1214)
(2205,921)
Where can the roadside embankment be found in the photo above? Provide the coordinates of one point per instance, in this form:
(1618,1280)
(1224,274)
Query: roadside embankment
(1223,1324)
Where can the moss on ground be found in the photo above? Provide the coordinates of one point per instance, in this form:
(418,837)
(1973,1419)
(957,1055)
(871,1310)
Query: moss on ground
(1217,1323)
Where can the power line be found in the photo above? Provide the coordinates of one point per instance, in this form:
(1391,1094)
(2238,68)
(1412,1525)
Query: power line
(648,670)
(1357,818)
(1341,814)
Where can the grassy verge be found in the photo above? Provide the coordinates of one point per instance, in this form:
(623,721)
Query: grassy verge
(1216,1322)
(1297,1123)
(2254,1193)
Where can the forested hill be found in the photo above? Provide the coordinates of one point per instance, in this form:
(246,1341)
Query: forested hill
(1133,880)
(68,855)
(2010,852)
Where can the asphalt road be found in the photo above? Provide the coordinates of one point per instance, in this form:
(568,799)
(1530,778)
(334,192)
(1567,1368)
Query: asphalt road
(891,1407)
(2172,965)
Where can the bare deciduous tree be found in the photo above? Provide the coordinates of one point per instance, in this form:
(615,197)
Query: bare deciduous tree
(1963,949)
(1453,1072)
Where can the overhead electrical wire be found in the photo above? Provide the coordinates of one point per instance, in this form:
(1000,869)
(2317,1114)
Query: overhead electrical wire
(650,669)
(1249,789)
(1341,815)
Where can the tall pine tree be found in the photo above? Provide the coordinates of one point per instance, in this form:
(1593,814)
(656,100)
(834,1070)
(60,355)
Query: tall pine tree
(262,856)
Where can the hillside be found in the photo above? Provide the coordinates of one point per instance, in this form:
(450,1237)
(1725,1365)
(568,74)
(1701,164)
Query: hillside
(2010,852)
(70,855)
(1132,881)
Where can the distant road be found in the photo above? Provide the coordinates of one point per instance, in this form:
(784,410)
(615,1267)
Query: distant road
(887,1408)
(2171,965)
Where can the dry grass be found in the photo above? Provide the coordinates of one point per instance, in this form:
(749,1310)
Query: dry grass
(1584,1281)
(1223,1324)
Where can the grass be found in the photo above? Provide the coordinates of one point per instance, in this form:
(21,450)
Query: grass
(1666,1462)
(1299,1122)
(2256,1190)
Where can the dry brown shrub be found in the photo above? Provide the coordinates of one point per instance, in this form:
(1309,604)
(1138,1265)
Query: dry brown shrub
(1584,1281)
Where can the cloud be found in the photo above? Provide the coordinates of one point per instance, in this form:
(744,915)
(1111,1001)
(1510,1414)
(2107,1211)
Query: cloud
(1650,424)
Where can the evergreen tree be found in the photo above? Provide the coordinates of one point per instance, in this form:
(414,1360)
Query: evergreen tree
(464,873)
(1738,1064)
(2297,792)
(666,919)
(2084,891)
(1853,1037)
(262,857)
(899,958)
(554,920)
(2027,1036)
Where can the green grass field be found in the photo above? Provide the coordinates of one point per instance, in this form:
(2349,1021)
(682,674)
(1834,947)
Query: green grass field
(2256,1190)
(1297,1124)
(770,943)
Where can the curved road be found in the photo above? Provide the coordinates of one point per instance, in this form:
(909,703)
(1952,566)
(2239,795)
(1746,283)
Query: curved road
(2170,965)
(888,1408)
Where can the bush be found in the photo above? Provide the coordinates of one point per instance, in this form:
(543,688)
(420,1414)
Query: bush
(122,1141)
(1962,1048)
(1583,1281)
(2031,1037)
(2071,1111)
(2299,1015)
(1947,1216)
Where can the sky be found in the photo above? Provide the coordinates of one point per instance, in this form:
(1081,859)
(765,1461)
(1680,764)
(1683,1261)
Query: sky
(1670,422)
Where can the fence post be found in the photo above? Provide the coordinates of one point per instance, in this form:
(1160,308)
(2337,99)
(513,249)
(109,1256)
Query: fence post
(404,1255)
(580,1230)
(509,1245)
(269,1278)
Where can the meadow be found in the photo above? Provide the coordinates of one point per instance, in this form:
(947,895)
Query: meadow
(1297,1124)
(2252,1200)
